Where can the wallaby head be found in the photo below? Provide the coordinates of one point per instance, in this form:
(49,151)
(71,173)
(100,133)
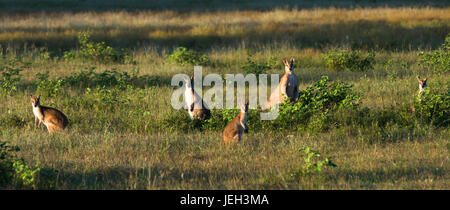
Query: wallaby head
(422,84)
(244,108)
(289,66)
(35,102)
(189,82)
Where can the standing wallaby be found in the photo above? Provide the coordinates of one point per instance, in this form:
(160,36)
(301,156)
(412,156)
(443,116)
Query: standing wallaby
(52,118)
(236,127)
(288,86)
(197,108)
(422,85)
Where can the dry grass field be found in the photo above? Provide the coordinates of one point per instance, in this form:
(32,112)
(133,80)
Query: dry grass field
(124,134)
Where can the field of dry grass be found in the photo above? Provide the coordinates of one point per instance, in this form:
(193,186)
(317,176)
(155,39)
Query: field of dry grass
(118,143)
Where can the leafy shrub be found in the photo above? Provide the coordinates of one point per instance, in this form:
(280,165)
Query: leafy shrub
(16,171)
(183,57)
(48,87)
(10,75)
(13,120)
(349,60)
(433,108)
(179,121)
(254,67)
(107,78)
(438,60)
(97,51)
(316,102)
(7,158)
(312,162)
(25,175)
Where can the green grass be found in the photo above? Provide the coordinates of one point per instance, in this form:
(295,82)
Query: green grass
(115,139)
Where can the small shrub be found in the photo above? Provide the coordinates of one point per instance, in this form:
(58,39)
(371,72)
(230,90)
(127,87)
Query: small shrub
(391,72)
(254,67)
(10,76)
(25,175)
(438,60)
(97,51)
(48,87)
(7,158)
(312,162)
(13,120)
(179,121)
(433,108)
(349,60)
(316,102)
(107,78)
(183,57)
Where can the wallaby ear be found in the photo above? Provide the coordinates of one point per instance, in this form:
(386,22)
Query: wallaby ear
(285,62)
(39,97)
(292,61)
(418,78)
(426,78)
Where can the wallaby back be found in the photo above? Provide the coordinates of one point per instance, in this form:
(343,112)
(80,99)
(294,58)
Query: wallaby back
(235,128)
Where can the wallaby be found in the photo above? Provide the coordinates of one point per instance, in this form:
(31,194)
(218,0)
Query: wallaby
(288,86)
(197,108)
(422,85)
(52,118)
(236,127)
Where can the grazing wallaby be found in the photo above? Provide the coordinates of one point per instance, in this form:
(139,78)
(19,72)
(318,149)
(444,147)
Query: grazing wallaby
(422,85)
(236,127)
(197,108)
(288,86)
(52,118)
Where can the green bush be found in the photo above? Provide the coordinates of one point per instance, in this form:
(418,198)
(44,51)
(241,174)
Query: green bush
(48,87)
(10,79)
(349,60)
(254,67)
(438,60)
(312,162)
(183,57)
(107,78)
(7,158)
(96,51)
(315,104)
(433,108)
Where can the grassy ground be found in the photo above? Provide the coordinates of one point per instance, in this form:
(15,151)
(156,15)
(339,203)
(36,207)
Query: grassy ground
(116,141)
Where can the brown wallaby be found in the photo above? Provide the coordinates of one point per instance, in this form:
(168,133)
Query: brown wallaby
(236,127)
(197,108)
(52,118)
(288,86)
(422,85)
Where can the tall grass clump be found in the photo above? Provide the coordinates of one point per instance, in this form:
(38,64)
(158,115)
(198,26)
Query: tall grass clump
(349,60)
